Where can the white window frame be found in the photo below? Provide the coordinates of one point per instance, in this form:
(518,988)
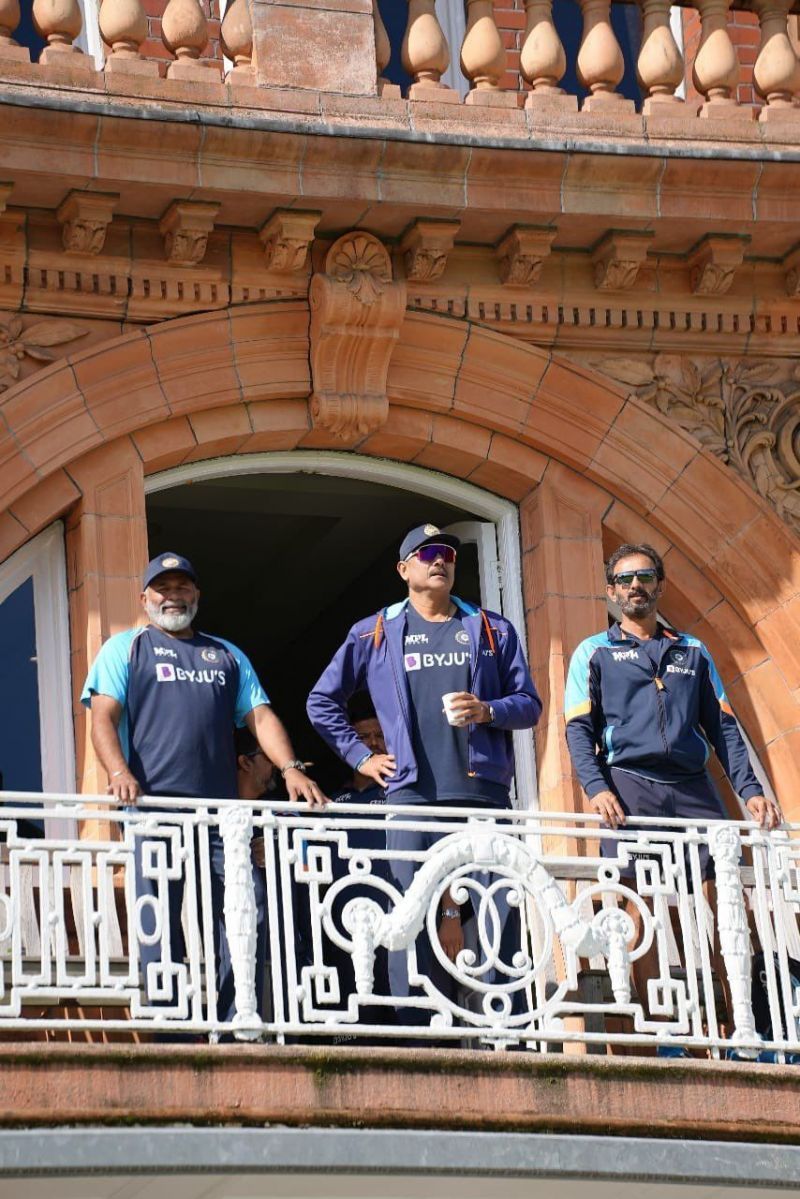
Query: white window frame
(43,560)
(481,504)
(89,39)
(452,18)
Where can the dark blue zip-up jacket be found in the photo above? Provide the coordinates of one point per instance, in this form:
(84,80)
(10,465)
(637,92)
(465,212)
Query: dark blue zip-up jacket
(372,658)
(661,722)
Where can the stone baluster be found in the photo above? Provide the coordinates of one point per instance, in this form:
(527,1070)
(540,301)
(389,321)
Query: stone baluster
(542,58)
(600,65)
(716,67)
(59,22)
(236,35)
(483,56)
(184,31)
(660,67)
(777,71)
(425,53)
(123,27)
(9,20)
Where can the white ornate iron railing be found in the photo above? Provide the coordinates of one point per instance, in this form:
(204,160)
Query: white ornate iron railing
(549,938)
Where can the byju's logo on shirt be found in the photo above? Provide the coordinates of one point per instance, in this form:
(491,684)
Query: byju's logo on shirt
(161,651)
(420,661)
(167,673)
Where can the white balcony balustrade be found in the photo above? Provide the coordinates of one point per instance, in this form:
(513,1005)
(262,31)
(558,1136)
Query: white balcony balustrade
(551,929)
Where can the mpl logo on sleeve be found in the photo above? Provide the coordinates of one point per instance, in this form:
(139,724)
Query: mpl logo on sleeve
(165,672)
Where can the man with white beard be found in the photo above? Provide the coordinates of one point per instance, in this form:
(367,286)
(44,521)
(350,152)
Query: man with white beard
(165,701)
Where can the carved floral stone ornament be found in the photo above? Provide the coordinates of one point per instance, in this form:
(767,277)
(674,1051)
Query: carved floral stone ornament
(356,313)
(36,342)
(425,247)
(745,412)
(185,227)
(286,238)
(84,218)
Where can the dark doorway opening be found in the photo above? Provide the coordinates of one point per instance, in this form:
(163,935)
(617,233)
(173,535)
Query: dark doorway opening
(287,563)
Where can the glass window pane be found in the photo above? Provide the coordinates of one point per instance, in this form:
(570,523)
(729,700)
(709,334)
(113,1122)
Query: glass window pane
(20,752)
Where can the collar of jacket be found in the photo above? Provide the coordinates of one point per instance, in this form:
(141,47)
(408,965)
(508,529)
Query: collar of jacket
(615,633)
(395,610)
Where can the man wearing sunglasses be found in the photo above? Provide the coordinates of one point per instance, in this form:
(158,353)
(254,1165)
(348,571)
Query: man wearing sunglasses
(449,683)
(644,706)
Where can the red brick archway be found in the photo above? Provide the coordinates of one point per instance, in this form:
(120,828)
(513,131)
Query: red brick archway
(589,466)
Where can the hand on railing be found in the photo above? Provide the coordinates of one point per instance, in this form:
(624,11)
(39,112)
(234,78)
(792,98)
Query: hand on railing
(606,804)
(300,787)
(766,811)
(123,787)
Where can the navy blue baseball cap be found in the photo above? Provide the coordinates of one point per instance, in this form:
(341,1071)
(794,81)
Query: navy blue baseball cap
(426,535)
(167,562)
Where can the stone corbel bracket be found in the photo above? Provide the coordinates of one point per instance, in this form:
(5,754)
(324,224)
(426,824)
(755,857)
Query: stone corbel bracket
(791,266)
(356,313)
(714,261)
(286,238)
(84,218)
(425,246)
(617,258)
(521,253)
(185,227)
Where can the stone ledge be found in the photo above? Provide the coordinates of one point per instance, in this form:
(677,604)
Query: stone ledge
(350,1087)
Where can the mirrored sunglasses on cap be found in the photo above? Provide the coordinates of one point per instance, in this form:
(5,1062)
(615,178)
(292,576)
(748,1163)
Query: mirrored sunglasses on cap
(429,553)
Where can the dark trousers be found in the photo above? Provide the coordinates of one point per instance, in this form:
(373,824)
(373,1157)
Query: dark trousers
(161,967)
(419,841)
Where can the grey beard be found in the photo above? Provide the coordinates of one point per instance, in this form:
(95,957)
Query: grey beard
(172,622)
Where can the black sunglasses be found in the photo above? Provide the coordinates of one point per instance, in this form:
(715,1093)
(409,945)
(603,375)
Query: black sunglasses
(626,577)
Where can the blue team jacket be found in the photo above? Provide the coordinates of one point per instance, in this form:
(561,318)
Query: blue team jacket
(372,658)
(622,712)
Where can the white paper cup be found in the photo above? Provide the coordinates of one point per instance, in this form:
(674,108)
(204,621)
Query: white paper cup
(447,703)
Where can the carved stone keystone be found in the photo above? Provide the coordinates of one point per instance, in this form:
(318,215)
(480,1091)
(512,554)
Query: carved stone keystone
(714,262)
(84,218)
(617,258)
(425,247)
(521,253)
(356,314)
(185,227)
(287,238)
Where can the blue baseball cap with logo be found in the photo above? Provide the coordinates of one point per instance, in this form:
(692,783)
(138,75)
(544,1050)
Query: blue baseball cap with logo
(165,563)
(426,535)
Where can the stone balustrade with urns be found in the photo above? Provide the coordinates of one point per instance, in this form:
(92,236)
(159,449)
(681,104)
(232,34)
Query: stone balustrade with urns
(513,64)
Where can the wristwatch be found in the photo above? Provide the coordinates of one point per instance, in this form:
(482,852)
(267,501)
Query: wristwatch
(295,764)
(491,714)
(451,913)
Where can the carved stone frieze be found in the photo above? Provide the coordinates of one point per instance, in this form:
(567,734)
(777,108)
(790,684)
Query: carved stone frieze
(713,264)
(286,238)
(185,227)
(84,218)
(34,342)
(521,254)
(617,259)
(356,313)
(425,247)
(746,412)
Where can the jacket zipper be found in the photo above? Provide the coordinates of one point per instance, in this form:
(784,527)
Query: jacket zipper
(662,723)
(400,695)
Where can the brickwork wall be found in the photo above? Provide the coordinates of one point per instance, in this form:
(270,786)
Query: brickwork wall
(510,17)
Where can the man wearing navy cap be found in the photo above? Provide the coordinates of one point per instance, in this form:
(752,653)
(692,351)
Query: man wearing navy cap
(165,701)
(449,683)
